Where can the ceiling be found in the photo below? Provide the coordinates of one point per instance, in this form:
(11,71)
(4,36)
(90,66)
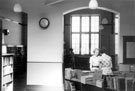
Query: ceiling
(31,4)
(40,4)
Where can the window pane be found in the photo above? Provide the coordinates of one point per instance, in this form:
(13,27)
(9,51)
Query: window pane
(116,44)
(85,24)
(85,44)
(76,43)
(75,24)
(94,23)
(94,42)
(116,24)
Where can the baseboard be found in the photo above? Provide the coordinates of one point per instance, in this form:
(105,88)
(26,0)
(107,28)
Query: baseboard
(43,88)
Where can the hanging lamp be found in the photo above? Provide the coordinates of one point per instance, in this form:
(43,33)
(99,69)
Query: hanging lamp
(17,8)
(93,4)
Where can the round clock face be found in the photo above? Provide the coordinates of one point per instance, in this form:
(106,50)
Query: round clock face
(44,23)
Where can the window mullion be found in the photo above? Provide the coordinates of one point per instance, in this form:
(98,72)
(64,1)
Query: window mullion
(89,35)
(80,34)
(99,42)
(71,32)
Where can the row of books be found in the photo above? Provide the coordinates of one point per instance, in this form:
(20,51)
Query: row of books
(7,60)
(92,77)
(85,77)
(11,48)
(8,69)
(121,83)
(8,87)
(7,79)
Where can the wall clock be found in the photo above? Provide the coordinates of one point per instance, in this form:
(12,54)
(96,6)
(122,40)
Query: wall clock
(44,23)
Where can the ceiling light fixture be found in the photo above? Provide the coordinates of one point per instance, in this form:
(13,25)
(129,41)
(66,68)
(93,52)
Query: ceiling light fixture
(93,4)
(17,7)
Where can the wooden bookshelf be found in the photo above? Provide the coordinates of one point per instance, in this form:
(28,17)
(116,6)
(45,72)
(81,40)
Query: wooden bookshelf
(7,72)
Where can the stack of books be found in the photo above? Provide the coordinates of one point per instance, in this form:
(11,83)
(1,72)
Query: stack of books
(87,79)
(99,83)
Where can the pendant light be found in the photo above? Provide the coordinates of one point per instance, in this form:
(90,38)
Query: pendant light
(93,4)
(17,7)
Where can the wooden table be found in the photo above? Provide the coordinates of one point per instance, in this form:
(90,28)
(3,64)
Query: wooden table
(86,87)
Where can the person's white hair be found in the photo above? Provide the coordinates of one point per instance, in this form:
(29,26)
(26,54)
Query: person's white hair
(96,49)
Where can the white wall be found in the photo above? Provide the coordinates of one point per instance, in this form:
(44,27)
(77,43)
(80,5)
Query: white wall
(10,15)
(48,76)
(15,30)
(45,46)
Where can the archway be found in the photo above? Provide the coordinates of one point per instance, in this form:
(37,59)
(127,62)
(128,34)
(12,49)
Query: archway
(108,34)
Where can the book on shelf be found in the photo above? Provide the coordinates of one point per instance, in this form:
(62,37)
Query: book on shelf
(121,84)
(129,84)
(8,87)
(7,70)
(4,48)
(7,60)
(7,79)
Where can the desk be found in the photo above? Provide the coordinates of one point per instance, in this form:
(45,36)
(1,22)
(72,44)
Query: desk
(86,87)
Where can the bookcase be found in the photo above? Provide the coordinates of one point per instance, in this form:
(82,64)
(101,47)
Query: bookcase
(7,72)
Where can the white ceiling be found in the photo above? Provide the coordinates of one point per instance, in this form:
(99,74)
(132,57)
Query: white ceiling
(31,4)
(39,4)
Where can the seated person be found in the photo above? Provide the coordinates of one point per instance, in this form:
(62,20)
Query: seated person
(95,60)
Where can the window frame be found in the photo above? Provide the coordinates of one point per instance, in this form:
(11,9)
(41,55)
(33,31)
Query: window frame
(116,33)
(80,33)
